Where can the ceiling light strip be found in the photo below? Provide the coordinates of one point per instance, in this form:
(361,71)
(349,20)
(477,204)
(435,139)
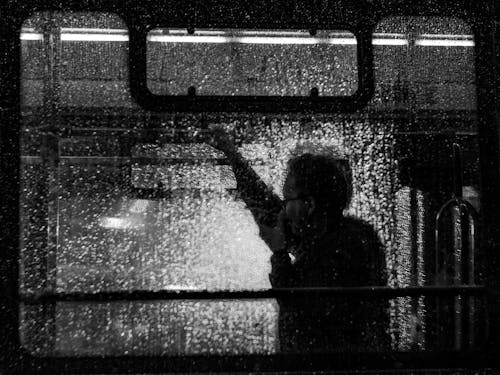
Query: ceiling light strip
(444,43)
(380,39)
(31,36)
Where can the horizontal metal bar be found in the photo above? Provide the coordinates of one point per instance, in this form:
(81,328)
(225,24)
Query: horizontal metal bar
(76,133)
(352,292)
(438,132)
(124,160)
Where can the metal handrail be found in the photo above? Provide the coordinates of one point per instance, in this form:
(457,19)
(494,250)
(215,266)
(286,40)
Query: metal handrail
(453,202)
(352,292)
(468,240)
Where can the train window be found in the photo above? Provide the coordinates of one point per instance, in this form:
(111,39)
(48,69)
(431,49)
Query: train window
(117,199)
(430,68)
(252,62)
(427,84)
(90,222)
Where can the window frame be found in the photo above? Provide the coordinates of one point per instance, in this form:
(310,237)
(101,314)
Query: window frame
(268,104)
(481,17)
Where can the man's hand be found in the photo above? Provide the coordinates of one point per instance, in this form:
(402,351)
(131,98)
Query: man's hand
(220,139)
(280,237)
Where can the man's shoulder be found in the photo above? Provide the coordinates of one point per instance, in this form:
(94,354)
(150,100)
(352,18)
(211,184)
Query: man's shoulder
(359,230)
(366,259)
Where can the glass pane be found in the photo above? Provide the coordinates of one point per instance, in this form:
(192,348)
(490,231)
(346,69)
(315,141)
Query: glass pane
(114,198)
(151,328)
(425,88)
(87,56)
(429,66)
(252,62)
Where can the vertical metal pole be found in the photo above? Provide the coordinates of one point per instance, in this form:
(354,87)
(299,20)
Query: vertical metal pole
(414,222)
(466,254)
(413,32)
(464,274)
(459,248)
(50,157)
(50,160)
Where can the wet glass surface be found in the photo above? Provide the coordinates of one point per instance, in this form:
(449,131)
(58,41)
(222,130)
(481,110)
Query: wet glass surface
(117,199)
(252,62)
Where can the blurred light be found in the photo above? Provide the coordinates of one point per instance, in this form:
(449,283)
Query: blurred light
(94,34)
(31,36)
(229,33)
(119,223)
(139,206)
(445,40)
(92,30)
(444,43)
(389,42)
(94,37)
(249,39)
(253,37)
(389,39)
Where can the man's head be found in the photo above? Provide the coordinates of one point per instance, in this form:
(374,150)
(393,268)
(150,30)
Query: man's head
(317,189)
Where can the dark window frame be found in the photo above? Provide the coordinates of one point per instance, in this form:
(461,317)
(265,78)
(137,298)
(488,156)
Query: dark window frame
(268,104)
(138,17)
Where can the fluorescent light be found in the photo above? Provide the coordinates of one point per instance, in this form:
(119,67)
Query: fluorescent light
(239,33)
(445,40)
(444,43)
(293,40)
(389,39)
(31,36)
(187,39)
(249,40)
(88,34)
(207,36)
(119,223)
(389,42)
(343,41)
(274,33)
(73,37)
(253,37)
(92,30)
(266,37)
(114,223)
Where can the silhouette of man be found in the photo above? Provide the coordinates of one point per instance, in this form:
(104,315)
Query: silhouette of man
(315,245)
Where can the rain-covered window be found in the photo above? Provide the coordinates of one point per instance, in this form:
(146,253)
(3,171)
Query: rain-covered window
(115,198)
(252,62)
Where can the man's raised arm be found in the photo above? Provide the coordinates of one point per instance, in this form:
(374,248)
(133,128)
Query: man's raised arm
(259,198)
